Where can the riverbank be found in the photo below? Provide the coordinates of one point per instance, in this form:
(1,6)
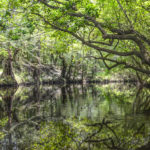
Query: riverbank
(51,82)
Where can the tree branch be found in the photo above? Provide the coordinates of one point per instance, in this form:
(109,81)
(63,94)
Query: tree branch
(125,13)
(86,42)
(124,63)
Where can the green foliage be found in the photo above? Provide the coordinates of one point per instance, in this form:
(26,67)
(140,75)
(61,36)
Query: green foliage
(3,53)
(55,136)
(75,133)
(7,80)
(3,122)
(2,135)
(36,29)
(92,10)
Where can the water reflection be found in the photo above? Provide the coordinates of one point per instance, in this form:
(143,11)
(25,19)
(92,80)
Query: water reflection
(7,113)
(27,111)
(142,101)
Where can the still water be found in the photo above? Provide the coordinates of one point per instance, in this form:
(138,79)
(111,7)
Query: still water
(89,117)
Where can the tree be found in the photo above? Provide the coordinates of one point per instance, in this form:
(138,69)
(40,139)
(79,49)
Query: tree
(8,51)
(118,30)
(16,31)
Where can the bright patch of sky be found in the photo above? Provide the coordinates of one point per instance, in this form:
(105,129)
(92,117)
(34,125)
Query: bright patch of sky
(93,1)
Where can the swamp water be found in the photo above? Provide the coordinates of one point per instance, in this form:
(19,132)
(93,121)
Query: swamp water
(93,117)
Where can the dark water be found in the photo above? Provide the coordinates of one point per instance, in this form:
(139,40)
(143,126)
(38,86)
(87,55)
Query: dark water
(95,117)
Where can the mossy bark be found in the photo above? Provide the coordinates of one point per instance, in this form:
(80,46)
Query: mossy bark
(7,77)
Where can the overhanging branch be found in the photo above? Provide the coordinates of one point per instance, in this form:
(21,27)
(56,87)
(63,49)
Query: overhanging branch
(125,64)
(88,43)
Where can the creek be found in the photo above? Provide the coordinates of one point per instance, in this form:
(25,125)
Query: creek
(92,117)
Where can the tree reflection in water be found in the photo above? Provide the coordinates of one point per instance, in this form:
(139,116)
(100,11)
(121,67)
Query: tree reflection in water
(142,101)
(75,117)
(9,114)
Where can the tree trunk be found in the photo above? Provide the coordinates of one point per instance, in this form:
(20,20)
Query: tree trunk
(7,77)
(64,68)
(36,75)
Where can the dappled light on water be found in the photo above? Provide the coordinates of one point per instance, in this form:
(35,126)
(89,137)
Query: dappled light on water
(94,117)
